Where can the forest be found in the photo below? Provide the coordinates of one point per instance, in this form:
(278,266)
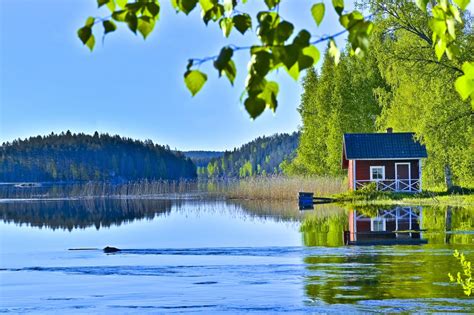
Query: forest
(80,157)
(202,158)
(260,157)
(399,84)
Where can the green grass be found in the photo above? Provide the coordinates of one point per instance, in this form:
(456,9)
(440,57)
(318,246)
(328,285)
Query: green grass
(370,196)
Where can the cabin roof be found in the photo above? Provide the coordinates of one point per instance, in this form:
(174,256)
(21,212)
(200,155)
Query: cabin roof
(400,145)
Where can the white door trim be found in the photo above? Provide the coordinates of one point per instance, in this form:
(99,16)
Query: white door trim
(409,175)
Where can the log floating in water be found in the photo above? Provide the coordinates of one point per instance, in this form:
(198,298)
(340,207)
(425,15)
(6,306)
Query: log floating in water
(109,249)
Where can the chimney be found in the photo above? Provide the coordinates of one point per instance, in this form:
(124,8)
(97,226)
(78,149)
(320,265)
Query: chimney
(389,130)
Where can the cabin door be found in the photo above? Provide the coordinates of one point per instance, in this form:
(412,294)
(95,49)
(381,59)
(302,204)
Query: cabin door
(403,176)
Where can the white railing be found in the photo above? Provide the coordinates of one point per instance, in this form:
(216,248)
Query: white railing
(399,185)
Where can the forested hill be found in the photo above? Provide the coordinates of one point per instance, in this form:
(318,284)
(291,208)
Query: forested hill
(81,157)
(202,158)
(262,156)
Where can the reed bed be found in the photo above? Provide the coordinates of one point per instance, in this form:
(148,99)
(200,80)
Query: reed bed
(274,188)
(279,187)
(143,188)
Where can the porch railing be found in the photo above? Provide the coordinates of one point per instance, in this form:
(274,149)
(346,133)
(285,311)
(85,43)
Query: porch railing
(399,185)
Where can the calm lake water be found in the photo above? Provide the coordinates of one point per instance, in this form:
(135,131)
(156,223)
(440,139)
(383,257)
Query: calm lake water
(236,257)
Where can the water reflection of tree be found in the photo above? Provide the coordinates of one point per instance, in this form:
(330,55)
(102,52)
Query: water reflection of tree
(325,227)
(73,214)
(396,272)
(350,275)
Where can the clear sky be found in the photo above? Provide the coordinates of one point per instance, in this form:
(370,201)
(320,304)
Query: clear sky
(128,86)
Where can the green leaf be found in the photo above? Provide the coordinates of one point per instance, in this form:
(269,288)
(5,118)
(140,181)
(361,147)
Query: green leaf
(207,5)
(338,6)
(86,37)
(260,63)
(111,5)
(288,55)
(230,71)
(462,3)
(225,65)
(214,14)
(283,31)
(109,26)
(242,22)
(272,3)
(452,51)
(440,47)
(302,39)
(317,11)
(294,71)
(119,15)
(153,8)
(422,4)
(194,81)
(269,95)
(254,84)
(84,34)
(465,83)
(254,106)
(187,5)
(268,22)
(450,23)
(91,42)
(102,2)
(90,21)
(145,26)
(226,26)
(132,21)
(121,3)
(224,57)
(312,52)
(438,26)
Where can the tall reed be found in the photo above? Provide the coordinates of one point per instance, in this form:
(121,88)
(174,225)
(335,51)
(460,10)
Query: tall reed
(279,187)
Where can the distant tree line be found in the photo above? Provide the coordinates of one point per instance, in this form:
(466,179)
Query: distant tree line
(81,157)
(202,158)
(262,156)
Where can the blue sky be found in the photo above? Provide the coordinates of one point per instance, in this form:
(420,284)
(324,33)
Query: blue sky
(131,87)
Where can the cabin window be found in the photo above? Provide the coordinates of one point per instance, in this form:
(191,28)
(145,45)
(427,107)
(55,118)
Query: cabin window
(377,225)
(377,172)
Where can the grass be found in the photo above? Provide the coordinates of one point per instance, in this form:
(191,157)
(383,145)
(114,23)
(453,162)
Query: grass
(369,196)
(278,187)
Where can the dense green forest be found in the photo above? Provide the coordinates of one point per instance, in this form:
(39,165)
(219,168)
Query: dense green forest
(202,158)
(401,84)
(81,157)
(262,156)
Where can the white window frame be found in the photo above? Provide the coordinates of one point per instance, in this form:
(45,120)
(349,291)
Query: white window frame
(383,172)
(384,224)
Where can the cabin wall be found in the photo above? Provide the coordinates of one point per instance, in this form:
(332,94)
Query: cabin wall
(363,168)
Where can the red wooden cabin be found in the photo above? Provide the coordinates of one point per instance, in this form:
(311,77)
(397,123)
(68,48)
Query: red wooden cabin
(391,160)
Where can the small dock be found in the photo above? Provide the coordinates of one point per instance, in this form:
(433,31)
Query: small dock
(306,200)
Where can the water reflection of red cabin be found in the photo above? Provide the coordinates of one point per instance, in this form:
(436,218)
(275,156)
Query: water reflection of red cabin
(390,160)
(400,225)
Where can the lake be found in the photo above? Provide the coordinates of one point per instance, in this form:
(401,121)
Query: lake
(193,255)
